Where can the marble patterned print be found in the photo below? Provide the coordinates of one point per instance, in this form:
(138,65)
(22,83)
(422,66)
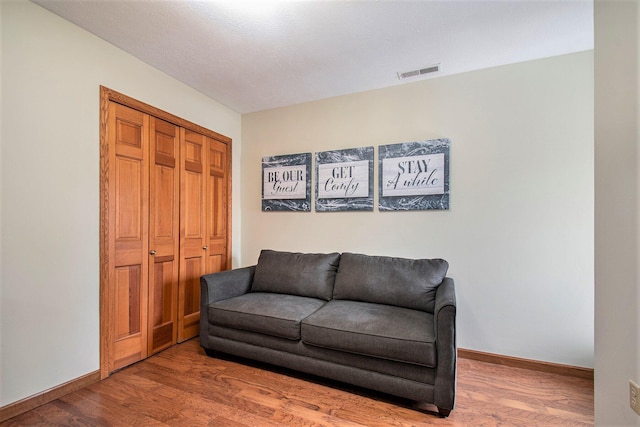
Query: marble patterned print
(296,205)
(410,149)
(346,203)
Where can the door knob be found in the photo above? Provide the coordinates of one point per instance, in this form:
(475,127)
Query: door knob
(152,252)
(205,247)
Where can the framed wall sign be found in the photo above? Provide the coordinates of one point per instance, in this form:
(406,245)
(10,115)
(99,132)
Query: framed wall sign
(414,175)
(286,183)
(344,180)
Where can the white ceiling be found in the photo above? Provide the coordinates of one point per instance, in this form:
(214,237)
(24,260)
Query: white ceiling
(257,55)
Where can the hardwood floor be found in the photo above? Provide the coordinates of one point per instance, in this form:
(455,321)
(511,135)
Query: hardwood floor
(182,386)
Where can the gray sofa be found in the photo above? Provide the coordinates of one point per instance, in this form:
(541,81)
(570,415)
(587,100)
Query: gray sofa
(383,323)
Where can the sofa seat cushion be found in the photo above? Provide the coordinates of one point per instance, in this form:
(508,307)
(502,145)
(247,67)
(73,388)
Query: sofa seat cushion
(266,313)
(370,329)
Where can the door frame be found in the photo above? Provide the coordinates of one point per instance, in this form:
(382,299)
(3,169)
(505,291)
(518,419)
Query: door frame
(106,96)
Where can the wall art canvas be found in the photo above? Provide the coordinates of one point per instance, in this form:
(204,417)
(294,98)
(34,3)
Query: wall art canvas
(344,180)
(414,175)
(286,183)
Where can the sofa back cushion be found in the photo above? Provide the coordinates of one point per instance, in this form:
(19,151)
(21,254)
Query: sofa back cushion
(409,283)
(306,275)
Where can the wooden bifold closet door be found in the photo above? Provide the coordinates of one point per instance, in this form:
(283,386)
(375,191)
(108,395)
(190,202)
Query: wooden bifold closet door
(164,222)
(164,237)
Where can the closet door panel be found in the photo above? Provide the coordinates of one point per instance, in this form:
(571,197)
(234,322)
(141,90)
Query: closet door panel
(128,277)
(127,294)
(194,268)
(192,232)
(217,208)
(164,235)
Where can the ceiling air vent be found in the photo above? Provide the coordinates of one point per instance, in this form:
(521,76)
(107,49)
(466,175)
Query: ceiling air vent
(414,73)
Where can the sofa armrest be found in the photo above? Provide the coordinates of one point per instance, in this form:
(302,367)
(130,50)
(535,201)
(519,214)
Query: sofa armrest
(225,284)
(220,286)
(445,297)
(445,325)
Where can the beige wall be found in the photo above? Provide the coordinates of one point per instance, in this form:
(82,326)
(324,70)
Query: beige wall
(51,73)
(617,210)
(519,233)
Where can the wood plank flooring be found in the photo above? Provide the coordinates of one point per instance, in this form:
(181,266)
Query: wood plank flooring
(182,386)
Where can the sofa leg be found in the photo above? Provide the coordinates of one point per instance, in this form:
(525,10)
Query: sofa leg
(444,413)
